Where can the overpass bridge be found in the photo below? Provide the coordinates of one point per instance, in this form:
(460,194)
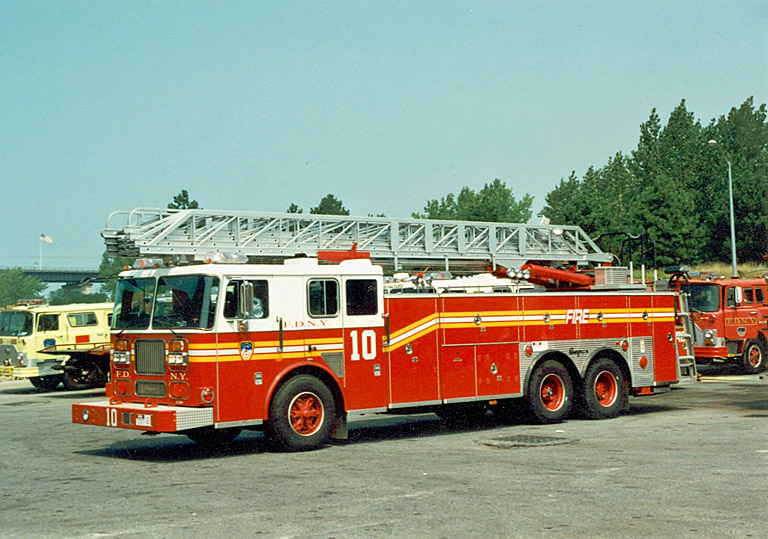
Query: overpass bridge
(61,275)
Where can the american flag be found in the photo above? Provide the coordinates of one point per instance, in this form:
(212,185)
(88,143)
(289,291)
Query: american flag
(45,238)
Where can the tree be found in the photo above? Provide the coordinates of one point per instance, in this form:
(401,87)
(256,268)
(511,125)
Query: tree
(563,202)
(109,270)
(182,202)
(293,208)
(674,186)
(16,285)
(74,294)
(669,221)
(742,138)
(329,205)
(494,203)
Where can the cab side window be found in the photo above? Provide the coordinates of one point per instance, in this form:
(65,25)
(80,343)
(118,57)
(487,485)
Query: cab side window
(749,296)
(759,296)
(323,297)
(361,297)
(77,320)
(48,322)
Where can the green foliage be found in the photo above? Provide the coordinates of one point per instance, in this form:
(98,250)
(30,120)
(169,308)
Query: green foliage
(15,285)
(293,208)
(68,294)
(182,202)
(109,269)
(494,203)
(329,205)
(674,187)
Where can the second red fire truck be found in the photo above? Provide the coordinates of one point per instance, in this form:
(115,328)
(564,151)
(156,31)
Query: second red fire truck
(730,318)
(297,348)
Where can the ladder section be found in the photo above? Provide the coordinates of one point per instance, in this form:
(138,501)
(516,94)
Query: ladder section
(684,334)
(267,237)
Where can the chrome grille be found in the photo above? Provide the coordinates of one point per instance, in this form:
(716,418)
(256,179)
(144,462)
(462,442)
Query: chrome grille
(150,388)
(150,356)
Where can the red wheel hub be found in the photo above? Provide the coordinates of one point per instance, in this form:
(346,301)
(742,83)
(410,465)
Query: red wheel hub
(552,392)
(755,356)
(606,389)
(306,414)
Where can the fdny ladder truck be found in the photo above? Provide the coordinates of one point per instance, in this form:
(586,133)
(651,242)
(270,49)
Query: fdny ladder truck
(230,321)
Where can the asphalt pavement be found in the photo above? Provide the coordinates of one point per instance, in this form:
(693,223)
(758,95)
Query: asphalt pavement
(688,463)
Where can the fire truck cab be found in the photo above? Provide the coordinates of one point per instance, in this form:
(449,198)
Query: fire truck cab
(730,318)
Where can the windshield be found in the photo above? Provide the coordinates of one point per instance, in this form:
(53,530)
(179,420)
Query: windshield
(15,323)
(133,303)
(704,297)
(187,301)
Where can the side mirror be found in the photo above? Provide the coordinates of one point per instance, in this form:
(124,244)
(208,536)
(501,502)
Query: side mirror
(739,295)
(245,300)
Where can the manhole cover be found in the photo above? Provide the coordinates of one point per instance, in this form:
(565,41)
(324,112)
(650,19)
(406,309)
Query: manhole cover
(525,440)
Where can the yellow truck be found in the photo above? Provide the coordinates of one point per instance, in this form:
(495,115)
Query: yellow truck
(56,344)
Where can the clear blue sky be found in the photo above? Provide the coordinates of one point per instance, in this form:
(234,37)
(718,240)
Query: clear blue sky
(109,106)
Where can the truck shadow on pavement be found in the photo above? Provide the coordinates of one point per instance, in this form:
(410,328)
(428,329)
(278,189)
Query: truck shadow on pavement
(173,448)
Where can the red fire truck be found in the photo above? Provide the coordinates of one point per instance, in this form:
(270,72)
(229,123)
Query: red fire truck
(730,317)
(296,348)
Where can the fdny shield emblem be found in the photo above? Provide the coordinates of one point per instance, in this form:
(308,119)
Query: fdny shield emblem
(246,350)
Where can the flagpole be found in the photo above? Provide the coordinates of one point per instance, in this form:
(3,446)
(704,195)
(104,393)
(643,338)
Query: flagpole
(40,246)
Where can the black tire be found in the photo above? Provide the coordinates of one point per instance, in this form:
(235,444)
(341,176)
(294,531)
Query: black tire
(83,377)
(604,392)
(550,393)
(753,358)
(301,415)
(46,383)
(212,436)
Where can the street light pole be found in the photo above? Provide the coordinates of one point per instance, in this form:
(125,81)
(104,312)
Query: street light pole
(713,142)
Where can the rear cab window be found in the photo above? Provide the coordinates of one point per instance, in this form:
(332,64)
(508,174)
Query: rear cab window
(323,298)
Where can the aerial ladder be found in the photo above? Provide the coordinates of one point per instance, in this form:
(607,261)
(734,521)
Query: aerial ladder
(192,235)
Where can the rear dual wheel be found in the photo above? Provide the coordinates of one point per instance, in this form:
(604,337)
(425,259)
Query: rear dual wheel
(604,394)
(46,383)
(83,377)
(550,393)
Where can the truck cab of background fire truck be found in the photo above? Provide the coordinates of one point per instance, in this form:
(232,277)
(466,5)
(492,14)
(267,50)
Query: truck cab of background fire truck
(54,344)
(730,317)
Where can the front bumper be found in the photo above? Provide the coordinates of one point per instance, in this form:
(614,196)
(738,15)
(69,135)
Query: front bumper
(22,372)
(140,417)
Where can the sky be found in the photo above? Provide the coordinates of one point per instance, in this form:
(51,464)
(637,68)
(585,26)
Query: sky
(255,105)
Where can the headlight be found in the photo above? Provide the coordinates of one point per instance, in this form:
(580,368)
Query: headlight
(121,353)
(21,359)
(178,354)
(121,358)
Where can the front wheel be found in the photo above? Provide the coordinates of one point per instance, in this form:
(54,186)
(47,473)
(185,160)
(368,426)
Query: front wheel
(753,358)
(300,415)
(550,393)
(604,393)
